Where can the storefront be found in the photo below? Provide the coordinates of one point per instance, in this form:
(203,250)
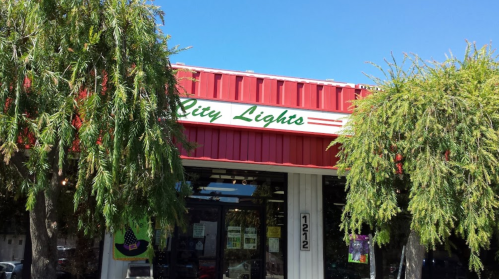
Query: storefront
(267,201)
(257,177)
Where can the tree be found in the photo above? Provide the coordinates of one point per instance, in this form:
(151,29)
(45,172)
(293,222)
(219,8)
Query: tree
(89,83)
(430,137)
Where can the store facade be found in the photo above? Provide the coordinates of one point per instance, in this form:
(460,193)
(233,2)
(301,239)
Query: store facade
(258,177)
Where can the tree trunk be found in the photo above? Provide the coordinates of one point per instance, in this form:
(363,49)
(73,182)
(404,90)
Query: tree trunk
(44,259)
(43,228)
(414,257)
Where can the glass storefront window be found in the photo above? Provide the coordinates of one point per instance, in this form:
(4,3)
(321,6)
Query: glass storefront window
(338,256)
(236,227)
(238,183)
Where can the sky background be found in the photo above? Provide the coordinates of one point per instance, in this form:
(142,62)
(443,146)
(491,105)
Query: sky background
(324,39)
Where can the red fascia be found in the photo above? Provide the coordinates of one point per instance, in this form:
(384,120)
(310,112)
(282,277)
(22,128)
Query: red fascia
(229,144)
(225,143)
(261,129)
(276,91)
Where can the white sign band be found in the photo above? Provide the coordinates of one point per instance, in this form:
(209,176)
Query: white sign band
(264,117)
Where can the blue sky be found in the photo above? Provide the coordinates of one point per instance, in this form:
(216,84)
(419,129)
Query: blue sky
(324,39)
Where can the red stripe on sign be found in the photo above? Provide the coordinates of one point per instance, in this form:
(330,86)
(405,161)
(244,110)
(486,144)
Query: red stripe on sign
(323,124)
(321,119)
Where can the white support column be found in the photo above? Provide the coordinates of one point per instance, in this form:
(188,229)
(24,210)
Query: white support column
(293,225)
(305,196)
(112,268)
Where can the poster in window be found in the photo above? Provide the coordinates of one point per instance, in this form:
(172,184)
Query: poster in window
(274,232)
(233,237)
(250,238)
(273,245)
(358,250)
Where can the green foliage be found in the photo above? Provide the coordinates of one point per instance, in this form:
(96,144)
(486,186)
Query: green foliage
(424,111)
(91,81)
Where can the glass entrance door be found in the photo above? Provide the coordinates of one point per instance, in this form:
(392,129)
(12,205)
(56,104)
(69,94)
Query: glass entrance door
(220,242)
(242,256)
(197,247)
(225,241)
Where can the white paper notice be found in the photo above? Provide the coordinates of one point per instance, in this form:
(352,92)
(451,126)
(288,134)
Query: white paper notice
(197,230)
(199,246)
(273,245)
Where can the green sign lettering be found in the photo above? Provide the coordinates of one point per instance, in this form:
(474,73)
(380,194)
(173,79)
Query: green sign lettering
(188,104)
(269,118)
(243,118)
(249,115)
(199,111)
